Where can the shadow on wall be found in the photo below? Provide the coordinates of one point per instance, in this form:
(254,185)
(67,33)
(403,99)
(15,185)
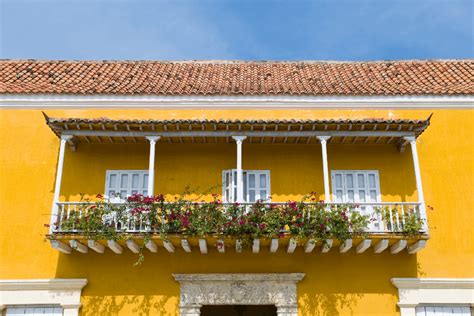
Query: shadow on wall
(125,305)
(296,170)
(334,283)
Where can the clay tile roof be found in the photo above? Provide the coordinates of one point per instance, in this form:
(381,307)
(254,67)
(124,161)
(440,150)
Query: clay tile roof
(311,78)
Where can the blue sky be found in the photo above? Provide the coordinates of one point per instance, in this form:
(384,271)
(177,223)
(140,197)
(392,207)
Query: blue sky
(249,30)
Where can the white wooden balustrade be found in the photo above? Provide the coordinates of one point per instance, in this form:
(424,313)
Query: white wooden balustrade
(386,220)
(384,217)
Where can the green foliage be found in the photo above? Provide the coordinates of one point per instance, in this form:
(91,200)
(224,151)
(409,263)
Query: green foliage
(408,222)
(146,216)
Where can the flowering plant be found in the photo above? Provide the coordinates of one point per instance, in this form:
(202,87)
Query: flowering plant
(148,215)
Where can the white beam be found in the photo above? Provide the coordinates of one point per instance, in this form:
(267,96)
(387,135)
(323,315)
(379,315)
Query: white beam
(240,182)
(94,245)
(267,133)
(419,186)
(420,244)
(238,246)
(274,245)
(185,245)
(114,246)
(150,245)
(168,245)
(151,164)
(256,246)
(133,246)
(398,246)
(363,245)
(345,245)
(203,246)
(323,140)
(59,245)
(381,246)
(327,246)
(220,246)
(57,185)
(78,246)
(309,246)
(291,246)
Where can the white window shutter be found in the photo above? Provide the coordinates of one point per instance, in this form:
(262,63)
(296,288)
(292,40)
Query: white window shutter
(122,183)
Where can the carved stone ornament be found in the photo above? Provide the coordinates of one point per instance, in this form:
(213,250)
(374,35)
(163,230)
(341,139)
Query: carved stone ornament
(277,289)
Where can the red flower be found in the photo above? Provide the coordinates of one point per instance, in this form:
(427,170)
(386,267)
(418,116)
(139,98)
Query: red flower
(159,198)
(93,207)
(148,200)
(99,196)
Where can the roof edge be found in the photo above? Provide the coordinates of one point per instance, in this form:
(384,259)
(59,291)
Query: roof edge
(50,101)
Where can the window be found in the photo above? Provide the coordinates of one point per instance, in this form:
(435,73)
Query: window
(256,185)
(31,310)
(122,183)
(354,186)
(442,310)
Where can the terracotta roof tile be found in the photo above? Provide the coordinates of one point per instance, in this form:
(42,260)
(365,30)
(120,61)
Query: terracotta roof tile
(237,78)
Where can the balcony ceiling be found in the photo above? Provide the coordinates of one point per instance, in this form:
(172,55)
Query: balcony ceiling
(342,131)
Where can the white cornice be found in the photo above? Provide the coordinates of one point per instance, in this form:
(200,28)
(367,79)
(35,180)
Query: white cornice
(431,283)
(234,102)
(42,284)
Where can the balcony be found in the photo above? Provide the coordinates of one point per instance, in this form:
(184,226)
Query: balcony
(365,224)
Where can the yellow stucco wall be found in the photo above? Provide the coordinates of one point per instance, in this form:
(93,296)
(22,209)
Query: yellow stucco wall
(345,284)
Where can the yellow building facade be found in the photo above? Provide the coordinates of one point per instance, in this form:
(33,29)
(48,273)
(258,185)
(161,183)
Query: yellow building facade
(370,138)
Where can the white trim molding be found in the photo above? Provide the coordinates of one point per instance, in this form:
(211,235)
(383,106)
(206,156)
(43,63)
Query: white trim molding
(47,101)
(415,292)
(63,292)
(277,289)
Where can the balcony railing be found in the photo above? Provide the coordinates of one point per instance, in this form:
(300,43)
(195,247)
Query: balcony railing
(384,217)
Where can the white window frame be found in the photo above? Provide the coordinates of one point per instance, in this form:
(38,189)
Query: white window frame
(34,310)
(356,188)
(46,292)
(418,292)
(232,188)
(142,185)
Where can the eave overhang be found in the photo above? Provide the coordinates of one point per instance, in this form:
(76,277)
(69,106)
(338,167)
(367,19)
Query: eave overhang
(351,131)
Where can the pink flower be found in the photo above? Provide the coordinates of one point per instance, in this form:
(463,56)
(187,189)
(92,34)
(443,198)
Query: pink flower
(261,226)
(293,205)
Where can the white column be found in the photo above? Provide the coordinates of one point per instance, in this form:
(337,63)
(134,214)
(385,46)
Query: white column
(57,185)
(151,164)
(323,140)
(419,187)
(240,181)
